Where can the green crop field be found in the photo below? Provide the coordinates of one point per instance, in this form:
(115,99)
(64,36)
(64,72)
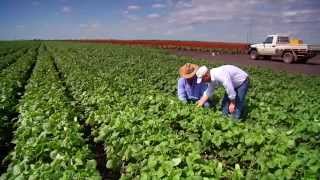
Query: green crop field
(59,100)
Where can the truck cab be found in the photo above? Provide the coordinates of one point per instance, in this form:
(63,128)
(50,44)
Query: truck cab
(280,46)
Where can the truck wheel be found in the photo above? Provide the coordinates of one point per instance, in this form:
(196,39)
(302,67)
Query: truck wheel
(254,54)
(288,57)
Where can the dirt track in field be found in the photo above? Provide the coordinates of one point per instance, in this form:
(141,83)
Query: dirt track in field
(312,67)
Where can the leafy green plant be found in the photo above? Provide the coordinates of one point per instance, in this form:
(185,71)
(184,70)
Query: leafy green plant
(128,95)
(12,80)
(48,142)
(130,98)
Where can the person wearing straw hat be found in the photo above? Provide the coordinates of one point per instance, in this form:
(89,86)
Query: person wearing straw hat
(188,88)
(233,79)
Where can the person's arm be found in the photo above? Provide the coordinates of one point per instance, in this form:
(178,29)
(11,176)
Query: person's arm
(202,100)
(228,86)
(182,94)
(232,106)
(206,95)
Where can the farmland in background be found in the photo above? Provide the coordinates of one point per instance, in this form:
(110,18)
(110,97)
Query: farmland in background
(60,101)
(217,47)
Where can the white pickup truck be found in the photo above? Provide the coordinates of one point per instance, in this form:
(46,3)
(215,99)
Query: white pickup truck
(279,46)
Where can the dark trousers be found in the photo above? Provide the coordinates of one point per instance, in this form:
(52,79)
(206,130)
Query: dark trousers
(240,100)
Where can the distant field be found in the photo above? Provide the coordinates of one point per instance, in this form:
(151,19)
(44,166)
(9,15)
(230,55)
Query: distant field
(223,47)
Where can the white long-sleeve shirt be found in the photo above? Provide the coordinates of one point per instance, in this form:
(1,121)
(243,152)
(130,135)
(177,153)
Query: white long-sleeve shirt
(229,76)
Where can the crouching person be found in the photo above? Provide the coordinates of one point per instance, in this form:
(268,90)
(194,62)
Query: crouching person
(188,88)
(235,82)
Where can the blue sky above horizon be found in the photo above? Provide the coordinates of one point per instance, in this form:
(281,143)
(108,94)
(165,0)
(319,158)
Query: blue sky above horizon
(204,20)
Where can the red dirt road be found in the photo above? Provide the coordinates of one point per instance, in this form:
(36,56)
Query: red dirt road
(312,67)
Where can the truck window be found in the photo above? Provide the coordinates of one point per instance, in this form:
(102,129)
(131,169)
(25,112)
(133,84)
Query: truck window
(268,40)
(283,39)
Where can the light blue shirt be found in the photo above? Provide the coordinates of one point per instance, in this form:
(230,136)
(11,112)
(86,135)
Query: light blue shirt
(191,91)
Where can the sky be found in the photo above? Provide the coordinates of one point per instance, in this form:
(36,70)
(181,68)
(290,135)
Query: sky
(204,20)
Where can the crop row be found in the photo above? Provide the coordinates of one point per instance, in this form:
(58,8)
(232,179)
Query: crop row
(6,51)
(10,47)
(11,58)
(12,80)
(136,140)
(146,132)
(48,142)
